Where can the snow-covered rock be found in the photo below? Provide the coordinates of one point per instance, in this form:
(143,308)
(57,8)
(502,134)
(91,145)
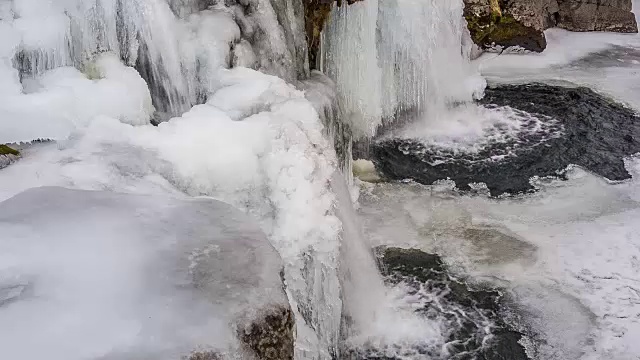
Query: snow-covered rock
(136,277)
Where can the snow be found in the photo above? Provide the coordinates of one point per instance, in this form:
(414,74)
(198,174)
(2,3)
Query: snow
(265,155)
(130,277)
(64,99)
(253,141)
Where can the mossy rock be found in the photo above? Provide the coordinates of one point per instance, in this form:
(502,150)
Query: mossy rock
(6,150)
(503,30)
(272,336)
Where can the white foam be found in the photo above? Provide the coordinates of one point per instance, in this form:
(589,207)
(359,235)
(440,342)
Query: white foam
(575,241)
(471,128)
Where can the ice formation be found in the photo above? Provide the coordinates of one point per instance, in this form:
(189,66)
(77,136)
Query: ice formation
(265,154)
(132,277)
(253,140)
(390,57)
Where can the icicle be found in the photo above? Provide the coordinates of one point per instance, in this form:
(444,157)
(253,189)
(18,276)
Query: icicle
(350,58)
(398,56)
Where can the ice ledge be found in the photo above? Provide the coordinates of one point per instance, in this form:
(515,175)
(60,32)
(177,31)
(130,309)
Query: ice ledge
(99,275)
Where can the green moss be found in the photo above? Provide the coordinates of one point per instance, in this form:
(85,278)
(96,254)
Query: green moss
(6,150)
(504,30)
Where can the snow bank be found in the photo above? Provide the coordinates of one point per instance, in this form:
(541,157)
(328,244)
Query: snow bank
(130,276)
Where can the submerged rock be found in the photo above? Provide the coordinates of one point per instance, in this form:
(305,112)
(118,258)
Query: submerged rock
(472,317)
(137,277)
(572,126)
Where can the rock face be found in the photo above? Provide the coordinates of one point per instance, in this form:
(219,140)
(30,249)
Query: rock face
(520,23)
(592,15)
(137,277)
(516,24)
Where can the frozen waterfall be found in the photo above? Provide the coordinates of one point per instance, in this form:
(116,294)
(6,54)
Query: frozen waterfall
(390,57)
(219,79)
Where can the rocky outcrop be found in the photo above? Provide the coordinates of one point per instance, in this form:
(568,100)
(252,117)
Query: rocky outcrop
(499,27)
(594,15)
(520,23)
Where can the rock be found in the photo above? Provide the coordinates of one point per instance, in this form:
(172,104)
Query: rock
(271,337)
(8,155)
(520,23)
(473,317)
(592,15)
(574,126)
(511,25)
(137,277)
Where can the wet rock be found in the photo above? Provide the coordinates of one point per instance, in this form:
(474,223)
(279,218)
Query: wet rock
(602,15)
(503,25)
(520,23)
(472,317)
(271,337)
(203,355)
(596,133)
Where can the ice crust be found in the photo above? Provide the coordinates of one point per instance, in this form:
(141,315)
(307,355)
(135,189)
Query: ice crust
(131,276)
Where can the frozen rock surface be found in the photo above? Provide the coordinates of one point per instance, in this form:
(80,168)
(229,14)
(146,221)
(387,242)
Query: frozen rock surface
(136,277)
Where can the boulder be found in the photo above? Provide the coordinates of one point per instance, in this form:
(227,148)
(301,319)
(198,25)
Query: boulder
(516,24)
(97,275)
(595,15)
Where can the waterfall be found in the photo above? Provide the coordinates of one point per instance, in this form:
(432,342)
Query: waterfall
(392,57)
